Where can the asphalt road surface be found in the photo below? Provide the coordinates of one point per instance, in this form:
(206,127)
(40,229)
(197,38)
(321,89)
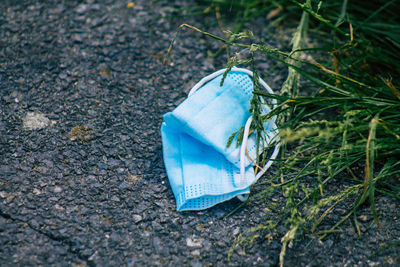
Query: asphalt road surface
(83,87)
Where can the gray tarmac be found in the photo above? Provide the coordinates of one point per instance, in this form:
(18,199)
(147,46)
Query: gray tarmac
(83,86)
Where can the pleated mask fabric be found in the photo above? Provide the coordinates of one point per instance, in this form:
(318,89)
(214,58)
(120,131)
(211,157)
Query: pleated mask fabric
(201,169)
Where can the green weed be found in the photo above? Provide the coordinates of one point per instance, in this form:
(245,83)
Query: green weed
(338,109)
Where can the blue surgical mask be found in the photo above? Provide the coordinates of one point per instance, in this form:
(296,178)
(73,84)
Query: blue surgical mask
(201,169)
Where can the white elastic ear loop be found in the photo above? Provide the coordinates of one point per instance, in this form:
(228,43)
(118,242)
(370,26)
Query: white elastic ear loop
(206,79)
(242,158)
(246,136)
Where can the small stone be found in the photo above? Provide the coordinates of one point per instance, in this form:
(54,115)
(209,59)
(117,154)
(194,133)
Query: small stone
(373,263)
(57,189)
(160,204)
(123,185)
(42,169)
(196,253)
(236,231)
(194,243)
(36,191)
(137,218)
(115,198)
(389,260)
(220,243)
(241,252)
(35,121)
(94,256)
(58,207)
(77,38)
(82,8)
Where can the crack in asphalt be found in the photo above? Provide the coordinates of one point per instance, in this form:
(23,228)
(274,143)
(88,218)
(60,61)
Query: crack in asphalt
(61,239)
(5,215)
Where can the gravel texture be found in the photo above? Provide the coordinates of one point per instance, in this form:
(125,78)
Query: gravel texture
(86,184)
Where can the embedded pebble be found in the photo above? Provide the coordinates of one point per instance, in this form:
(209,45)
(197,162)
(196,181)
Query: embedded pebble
(35,121)
(57,189)
(36,191)
(137,218)
(194,242)
(236,231)
(195,253)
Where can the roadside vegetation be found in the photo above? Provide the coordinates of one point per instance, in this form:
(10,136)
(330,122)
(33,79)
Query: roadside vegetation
(338,108)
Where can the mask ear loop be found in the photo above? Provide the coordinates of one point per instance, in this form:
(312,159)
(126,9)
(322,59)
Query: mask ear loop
(243,147)
(205,80)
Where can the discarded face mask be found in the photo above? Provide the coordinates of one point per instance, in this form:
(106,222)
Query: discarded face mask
(201,169)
